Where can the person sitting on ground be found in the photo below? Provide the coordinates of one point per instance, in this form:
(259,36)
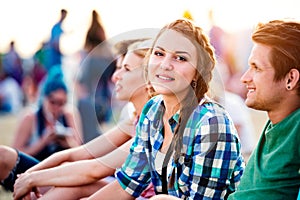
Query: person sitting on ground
(44,130)
(84,182)
(185,143)
(273,83)
(131,71)
(11,94)
(52,126)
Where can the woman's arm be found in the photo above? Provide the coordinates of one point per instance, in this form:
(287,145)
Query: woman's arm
(64,175)
(71,174)
(216,157)
(98,147)
(110,140)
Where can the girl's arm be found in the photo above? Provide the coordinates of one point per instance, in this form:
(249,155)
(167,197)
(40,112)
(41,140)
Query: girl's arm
(71,174)
(216,158)
(98,147)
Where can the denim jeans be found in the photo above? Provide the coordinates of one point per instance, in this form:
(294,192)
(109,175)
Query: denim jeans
(23,163)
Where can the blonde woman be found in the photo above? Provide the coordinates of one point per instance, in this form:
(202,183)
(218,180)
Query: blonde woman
(80,178)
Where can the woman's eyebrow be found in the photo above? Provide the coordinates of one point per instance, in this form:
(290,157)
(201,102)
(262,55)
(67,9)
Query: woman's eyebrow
(181,52)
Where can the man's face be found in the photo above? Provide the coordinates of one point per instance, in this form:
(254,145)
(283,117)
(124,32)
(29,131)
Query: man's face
(263,92)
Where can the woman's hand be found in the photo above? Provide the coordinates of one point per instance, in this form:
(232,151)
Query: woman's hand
(23,188)
(49,135)
(63,141)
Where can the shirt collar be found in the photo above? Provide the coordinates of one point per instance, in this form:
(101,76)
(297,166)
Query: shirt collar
(159,108)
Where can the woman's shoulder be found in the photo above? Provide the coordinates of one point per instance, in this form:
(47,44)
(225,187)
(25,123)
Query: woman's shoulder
(210,109)
(27,115)
(155,99)
(30,110)
(207,105)
(153,104)
(212,116)
(127,112)
(69,111)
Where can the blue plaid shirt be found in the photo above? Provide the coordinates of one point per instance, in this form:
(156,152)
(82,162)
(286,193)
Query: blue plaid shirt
(210,163)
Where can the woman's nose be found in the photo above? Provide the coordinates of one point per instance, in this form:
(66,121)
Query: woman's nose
(116,75)
(166,63)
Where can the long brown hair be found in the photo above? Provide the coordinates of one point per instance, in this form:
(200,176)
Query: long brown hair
(197,90)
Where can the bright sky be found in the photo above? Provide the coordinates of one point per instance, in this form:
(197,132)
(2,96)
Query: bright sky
(29,22)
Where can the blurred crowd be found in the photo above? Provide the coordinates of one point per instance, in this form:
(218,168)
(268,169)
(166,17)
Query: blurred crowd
(21,79)
(116,104)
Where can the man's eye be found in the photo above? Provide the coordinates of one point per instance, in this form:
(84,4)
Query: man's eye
(256,68)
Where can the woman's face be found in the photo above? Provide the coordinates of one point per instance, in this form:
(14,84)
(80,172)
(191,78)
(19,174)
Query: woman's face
(172,64)
(55,102)
(118,66)
(129,78)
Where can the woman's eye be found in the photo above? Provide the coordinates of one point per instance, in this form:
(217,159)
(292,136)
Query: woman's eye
(125,67)
(158,53)
(118,67)
(181,58)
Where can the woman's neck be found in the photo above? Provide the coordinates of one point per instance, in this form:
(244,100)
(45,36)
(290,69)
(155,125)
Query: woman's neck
(172,105)
(139,103)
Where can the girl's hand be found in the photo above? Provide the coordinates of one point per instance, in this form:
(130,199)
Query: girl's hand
(49,135)
(23,188)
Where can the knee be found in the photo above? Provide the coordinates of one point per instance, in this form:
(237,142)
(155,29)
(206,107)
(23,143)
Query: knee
(7,154)
(8,157)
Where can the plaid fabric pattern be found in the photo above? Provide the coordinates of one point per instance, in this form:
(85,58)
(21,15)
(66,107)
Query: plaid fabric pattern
(210,164)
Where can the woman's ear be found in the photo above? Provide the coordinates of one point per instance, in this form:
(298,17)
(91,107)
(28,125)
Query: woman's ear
(292,79)
(195,78)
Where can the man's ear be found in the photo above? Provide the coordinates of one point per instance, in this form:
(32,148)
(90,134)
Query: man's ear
(292,79)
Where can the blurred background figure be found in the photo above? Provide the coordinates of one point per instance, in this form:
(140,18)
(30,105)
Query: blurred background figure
(54,54)
(230,65)
(218,38)
(12,63)
(11,95)
(94,80)
(52,125)
(95,34)
(35,75)
(227,88)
